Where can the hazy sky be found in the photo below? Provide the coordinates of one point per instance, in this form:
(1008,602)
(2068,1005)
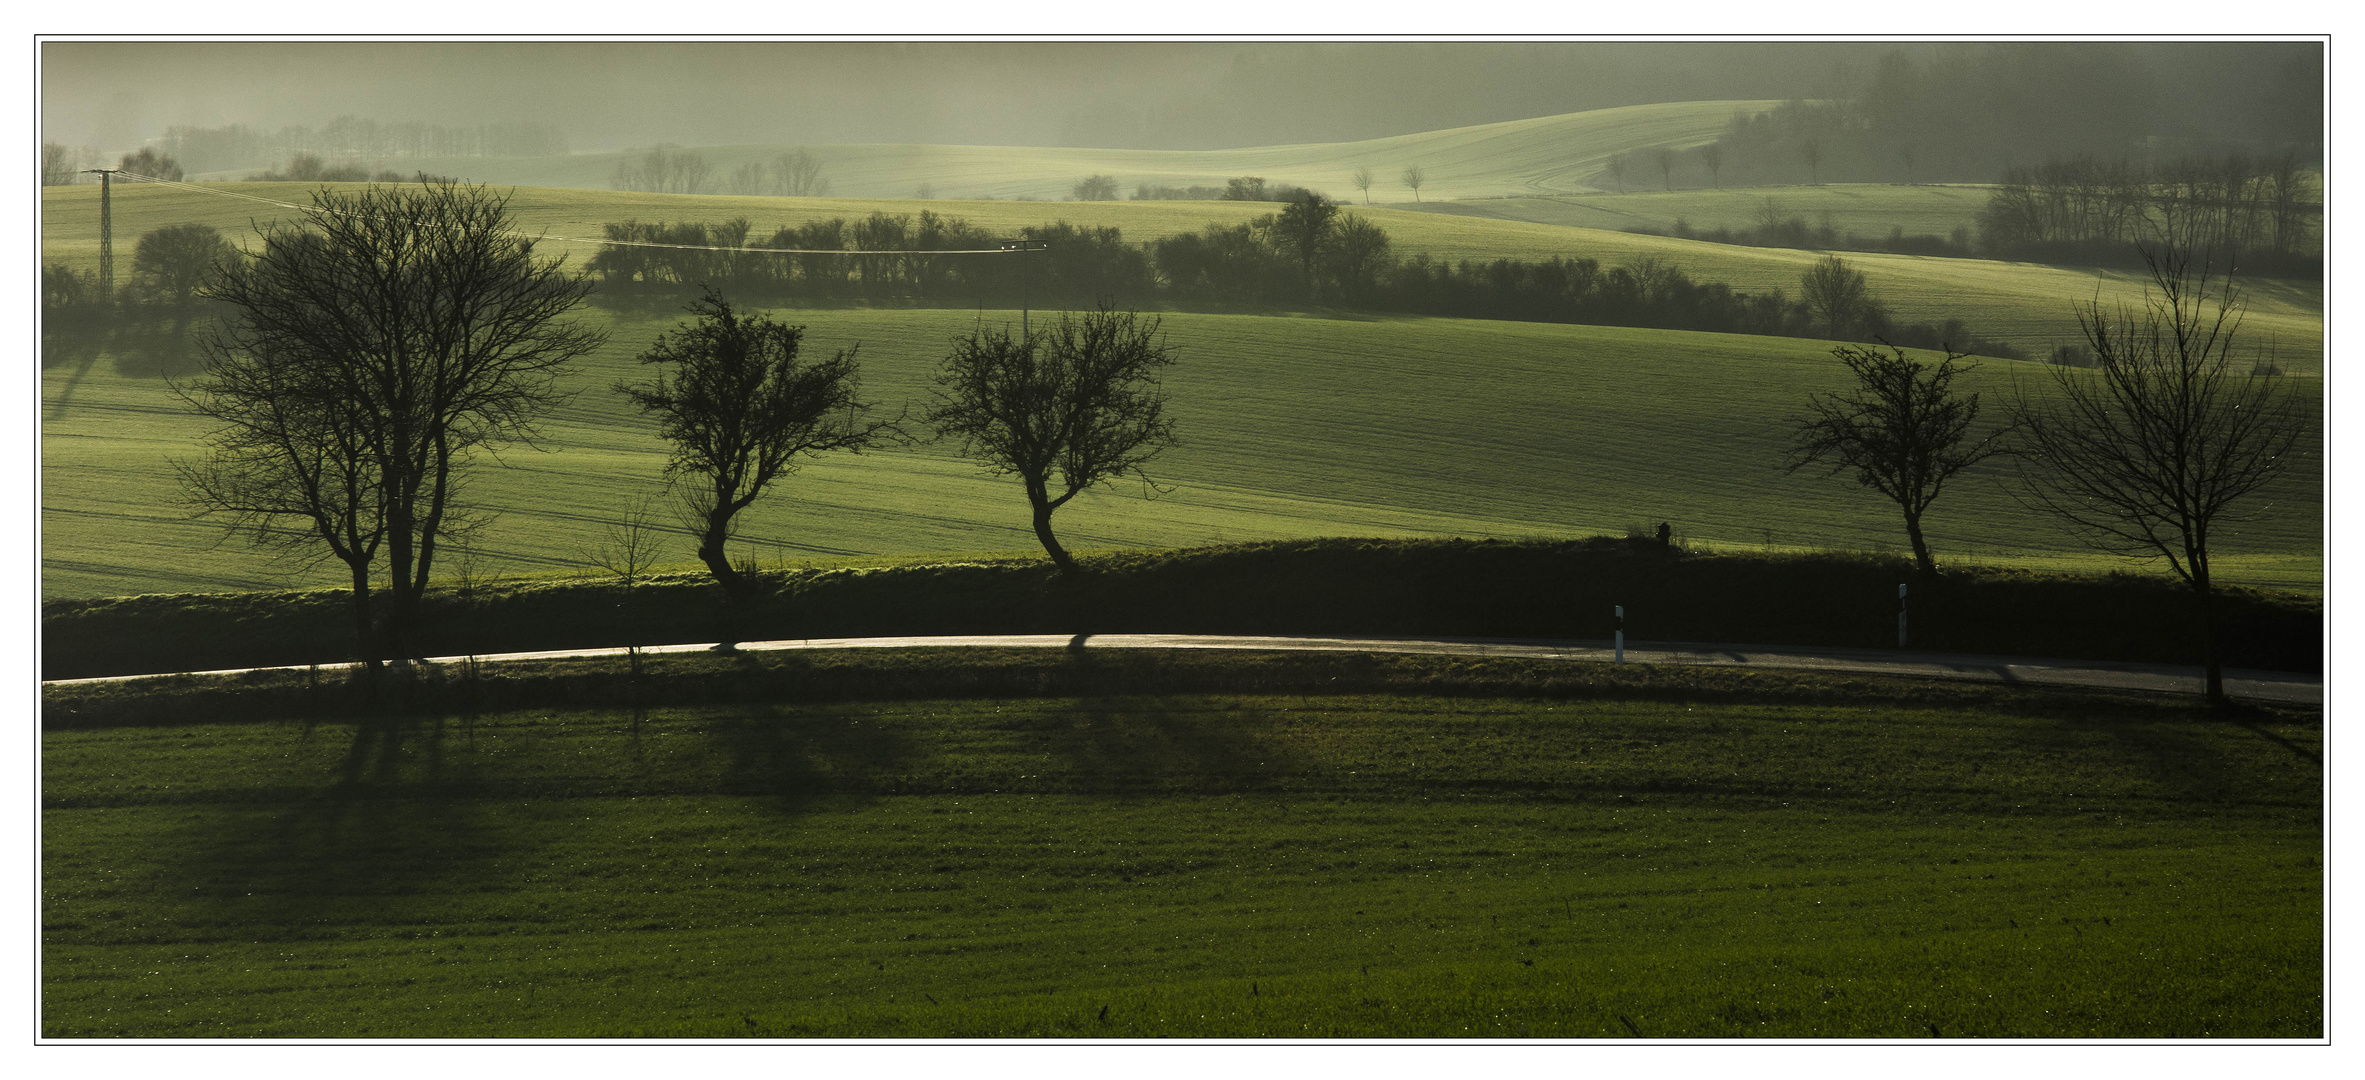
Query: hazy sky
(1152,95)
(609,95)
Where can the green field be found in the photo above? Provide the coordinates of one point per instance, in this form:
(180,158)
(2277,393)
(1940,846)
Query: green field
(1863,860)
(1292,427)
(1862,209)
(2027,305)
(1542,154)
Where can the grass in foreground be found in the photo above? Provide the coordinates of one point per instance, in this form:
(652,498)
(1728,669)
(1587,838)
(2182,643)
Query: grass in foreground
(1964,863)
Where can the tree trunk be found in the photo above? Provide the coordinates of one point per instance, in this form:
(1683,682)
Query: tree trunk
(2212,672)
(1041,500)
(710,552)
(1923,563)
(364,642)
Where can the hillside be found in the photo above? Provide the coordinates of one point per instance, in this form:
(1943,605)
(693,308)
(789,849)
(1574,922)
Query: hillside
(2026,305)
(1541,154)
(1863,209)
(1292,427)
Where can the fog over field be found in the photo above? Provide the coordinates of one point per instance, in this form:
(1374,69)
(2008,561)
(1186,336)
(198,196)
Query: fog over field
(1143,95)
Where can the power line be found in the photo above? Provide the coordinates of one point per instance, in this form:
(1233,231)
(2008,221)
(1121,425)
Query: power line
(1003,250)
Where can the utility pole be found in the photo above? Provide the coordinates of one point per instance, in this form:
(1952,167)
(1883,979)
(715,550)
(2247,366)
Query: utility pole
(106,234)
(1022,247)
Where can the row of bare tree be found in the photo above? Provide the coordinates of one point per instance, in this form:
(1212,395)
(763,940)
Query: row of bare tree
(672,170)
(2234,205)
(370,355)
(2150,455)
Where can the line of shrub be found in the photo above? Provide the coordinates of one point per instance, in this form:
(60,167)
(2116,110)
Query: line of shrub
(1448,588)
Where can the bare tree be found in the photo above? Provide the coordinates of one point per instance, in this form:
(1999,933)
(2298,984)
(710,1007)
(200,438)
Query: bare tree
(59,163)
(1837,294)
(630,544)
(1413,177)
(1712,156)
(739,408)
(1082,402)
(800,173)
(1902,428)
(1664,158)
(748,178)
(365,358)
(1362,181)
(2159,444)
(1618,171)
(1095,188)
(1811,148)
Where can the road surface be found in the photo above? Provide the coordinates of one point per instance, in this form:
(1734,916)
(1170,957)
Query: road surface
(2166,678)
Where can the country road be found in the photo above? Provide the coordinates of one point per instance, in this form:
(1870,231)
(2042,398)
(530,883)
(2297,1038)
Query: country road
(2101,674)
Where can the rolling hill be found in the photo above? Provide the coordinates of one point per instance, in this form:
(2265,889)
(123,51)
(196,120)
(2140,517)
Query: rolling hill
(1542,154)
(1863,209)
(1292,427)
(2028,305)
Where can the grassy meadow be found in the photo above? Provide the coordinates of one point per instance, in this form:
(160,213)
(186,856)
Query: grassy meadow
(1291,427)
(1851,858)
(1542,154)
(2025,304)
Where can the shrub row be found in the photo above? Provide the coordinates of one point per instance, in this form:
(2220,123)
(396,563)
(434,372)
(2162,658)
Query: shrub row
(1429,588)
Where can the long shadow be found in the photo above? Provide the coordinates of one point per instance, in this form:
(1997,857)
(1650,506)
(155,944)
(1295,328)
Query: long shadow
(800,757)
(2186,754)
(398,816)
(1123,745)
(157,351)
(79,349)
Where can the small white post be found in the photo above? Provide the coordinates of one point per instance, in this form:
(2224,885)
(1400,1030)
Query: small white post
(1901,615)
(1621,632)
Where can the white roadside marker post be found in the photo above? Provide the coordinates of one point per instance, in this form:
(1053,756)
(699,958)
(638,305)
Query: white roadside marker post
(1900,615)
(1621,632)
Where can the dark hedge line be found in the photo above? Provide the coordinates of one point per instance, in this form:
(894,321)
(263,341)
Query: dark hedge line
(1441,588)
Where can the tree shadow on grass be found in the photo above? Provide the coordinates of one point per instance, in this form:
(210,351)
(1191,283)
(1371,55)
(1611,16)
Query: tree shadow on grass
(798,757)
(2194,758)
(1127,746)
(398,819)
(78,349)
(157,351)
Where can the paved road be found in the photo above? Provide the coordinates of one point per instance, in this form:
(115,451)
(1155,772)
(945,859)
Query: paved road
(2168,678)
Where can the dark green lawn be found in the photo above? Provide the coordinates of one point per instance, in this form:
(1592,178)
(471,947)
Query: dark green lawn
(1195,865)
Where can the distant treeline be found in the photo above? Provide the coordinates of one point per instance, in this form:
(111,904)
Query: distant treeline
(1967,113)
(2260,215)
(2256,214)
(350,139)
(1350,263)
(1776,226)
(673,170)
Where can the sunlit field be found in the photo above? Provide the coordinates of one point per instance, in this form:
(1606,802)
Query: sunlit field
(1291,427)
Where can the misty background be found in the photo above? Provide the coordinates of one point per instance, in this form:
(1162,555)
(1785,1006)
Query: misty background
(600,96)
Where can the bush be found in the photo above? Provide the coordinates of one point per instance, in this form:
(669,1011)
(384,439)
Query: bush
(1444,588)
